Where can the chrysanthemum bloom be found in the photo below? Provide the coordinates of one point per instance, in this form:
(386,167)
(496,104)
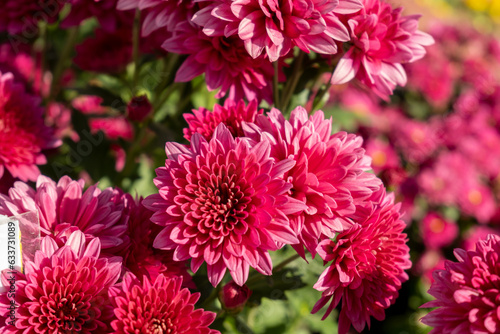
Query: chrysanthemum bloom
(23,16)
(382,40)
(274,27)
(225,63)
(437,232)
(65,207)
(223,202)
(64,290)
(330,175)
(476,233)
(383,155)
(416,140)
(232,114)
(144,260)
(468,291)
(23,133)
(477,200)
(105,11)
(368,268)
(159,306)
(107,52)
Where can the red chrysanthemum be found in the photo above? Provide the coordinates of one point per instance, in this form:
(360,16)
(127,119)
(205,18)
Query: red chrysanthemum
(330,175)
(224,61)
(23,133)
(232,114)
(368,265)
(158,306)
(223,202)
(468,291)
(63,291)
(22,16)
(65,207)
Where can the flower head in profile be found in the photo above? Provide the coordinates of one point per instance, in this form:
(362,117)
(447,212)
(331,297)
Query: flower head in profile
(467,292)
(224,61)
(64,290)
(64,207)
(223,202)
(159,306)
(23,133)
(330,175)
(232,114)
(368,265)
(382,40)
(275,27)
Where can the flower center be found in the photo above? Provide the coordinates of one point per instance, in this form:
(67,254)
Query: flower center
(161,326)
(68,314)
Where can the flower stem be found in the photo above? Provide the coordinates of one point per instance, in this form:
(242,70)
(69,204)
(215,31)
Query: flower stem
(275,86)
(61,64)
(321,93)
(135,50)
(294,80)
(255,278)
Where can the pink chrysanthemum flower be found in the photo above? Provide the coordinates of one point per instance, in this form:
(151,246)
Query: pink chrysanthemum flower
(330,175)
(368,268)
(144,260)
(18,17)
(223,202)
(277,26)
(382,40)
(436,231)
(232,114)
(23,133)
(225,63)
(65,207)
(468,291)
(158,306)
(63,291)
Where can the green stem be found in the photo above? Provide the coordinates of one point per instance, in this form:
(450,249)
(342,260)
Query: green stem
(62,63)
(321,93)
(294,80)
(213,295)
(135,50)
(275,86)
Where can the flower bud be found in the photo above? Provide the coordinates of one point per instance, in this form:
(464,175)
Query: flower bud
(139,108)
(234,297)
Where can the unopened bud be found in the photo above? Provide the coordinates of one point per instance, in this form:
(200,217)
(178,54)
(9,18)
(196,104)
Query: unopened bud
(234,297)
(139,108)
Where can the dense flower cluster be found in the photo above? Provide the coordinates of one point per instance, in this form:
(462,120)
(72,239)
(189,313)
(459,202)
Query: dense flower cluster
(467,292)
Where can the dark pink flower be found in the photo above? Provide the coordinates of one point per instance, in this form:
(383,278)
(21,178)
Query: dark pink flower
(416,140)
(437,232)
(225,63)
(157,306)
(330,174)
(234,297)
(22,17)
(476,233)
(368,268)
(107,52)
(139,108)
(232,114)
(23,133)
(58,117)
(65,207)
(275,27)
(382,41)
(113,127)
(429,261)
(467,292)
(64,290)
(383,155)
(223,202)
(105,11)
(477,200)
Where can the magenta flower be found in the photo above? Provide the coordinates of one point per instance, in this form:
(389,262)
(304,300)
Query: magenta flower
(330,175)
(64,290)
(382,40)
(158,306)
(223,202)
(225,63)
(65,207)
(275,27)
(232,115)
(107,52)
(437,232)
(22,17)
(368,268)
(383,155)
(467,292)
(23,133)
